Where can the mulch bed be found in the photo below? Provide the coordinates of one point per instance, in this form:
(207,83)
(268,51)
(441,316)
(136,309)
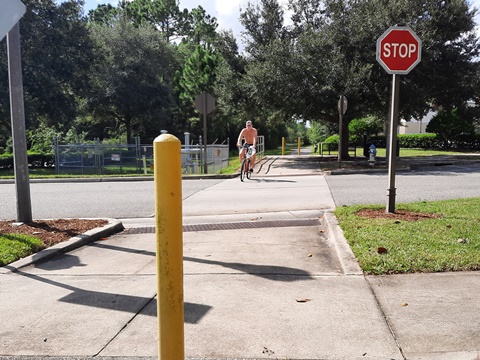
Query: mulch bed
(398,215)
(51,232)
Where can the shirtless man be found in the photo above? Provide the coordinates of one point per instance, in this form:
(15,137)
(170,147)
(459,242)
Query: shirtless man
(250,136)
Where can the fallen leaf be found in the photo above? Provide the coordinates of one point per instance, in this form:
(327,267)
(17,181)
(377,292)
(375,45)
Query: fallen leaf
(382,250)
(303,300)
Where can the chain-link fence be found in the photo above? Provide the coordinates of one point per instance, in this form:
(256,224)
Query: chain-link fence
(102,159)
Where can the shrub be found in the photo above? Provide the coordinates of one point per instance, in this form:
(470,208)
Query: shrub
(368,126)
(6,161)
(333,142)
(451,125)
(418,141)
(34,160)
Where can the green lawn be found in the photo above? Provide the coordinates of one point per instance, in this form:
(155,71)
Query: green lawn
(418,152)
(402,153)
(14,247)
(448,243)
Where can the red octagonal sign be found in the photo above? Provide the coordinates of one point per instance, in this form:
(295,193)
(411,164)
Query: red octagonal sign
(399,50)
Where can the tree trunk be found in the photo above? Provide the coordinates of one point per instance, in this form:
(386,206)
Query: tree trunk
(128,127)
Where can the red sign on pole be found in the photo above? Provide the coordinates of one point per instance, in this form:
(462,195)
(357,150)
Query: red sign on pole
(399,50)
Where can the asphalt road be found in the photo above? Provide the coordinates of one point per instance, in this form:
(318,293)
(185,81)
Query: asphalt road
(429,184)
(130,199)
(135,199)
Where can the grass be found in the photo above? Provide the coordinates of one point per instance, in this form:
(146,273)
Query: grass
(448,243)
(382,152)
(234,161)
(418,152)
(16,246)
(233,166)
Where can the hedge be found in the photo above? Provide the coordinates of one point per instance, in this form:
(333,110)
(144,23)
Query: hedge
(34,160)
(419,141)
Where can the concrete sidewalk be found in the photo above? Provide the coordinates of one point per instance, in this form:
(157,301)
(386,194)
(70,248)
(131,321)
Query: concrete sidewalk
(267,275)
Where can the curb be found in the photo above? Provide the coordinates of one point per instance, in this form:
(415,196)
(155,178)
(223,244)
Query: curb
(345,254)
(113,226)
(118,179)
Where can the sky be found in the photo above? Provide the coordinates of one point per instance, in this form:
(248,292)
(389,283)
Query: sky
(227,12)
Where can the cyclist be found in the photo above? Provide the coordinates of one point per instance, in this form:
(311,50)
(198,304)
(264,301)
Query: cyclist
(250,136)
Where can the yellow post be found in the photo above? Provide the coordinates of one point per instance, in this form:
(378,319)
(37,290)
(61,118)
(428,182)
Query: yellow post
(299,141)
(169,236)
(283,146)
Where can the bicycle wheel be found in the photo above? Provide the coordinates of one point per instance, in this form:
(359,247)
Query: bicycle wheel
(249,174)
(243,173)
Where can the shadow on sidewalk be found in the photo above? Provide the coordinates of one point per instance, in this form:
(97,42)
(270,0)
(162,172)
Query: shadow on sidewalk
(119,302)
(268,272)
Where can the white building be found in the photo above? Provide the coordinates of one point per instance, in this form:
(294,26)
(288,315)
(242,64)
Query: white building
(415,126)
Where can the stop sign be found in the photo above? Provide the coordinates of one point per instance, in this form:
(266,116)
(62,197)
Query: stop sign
(399,50)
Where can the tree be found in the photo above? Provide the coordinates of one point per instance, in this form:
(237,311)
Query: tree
(105,14)
(164,15)
(319,131)
(369,125)
(200,28)
(331,52)
(56,58)
(198,75)
(130,82)
(449,125)
(263,24)
(228,89)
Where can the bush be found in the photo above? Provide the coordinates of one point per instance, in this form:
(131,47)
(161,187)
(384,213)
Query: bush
(369,126)
(419,141)
(333,142)
(34,160)
(6,161)
(451,126)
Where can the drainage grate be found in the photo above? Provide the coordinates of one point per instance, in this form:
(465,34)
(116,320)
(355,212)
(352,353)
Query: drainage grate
(233,226)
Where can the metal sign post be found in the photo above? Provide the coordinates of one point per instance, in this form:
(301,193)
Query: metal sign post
(342,108)
(392,157)
(22,183)
(205,103)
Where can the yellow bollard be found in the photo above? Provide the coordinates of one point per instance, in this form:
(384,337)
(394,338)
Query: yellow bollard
(283,146)
(169,236)
(299,141)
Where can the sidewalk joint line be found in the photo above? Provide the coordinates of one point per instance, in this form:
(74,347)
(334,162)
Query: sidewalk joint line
(124,327)
(384,315)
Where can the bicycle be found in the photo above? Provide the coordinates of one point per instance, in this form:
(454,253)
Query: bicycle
(245,170)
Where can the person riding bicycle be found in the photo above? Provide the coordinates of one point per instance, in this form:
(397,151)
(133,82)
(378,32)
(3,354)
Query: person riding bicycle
(250,136)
